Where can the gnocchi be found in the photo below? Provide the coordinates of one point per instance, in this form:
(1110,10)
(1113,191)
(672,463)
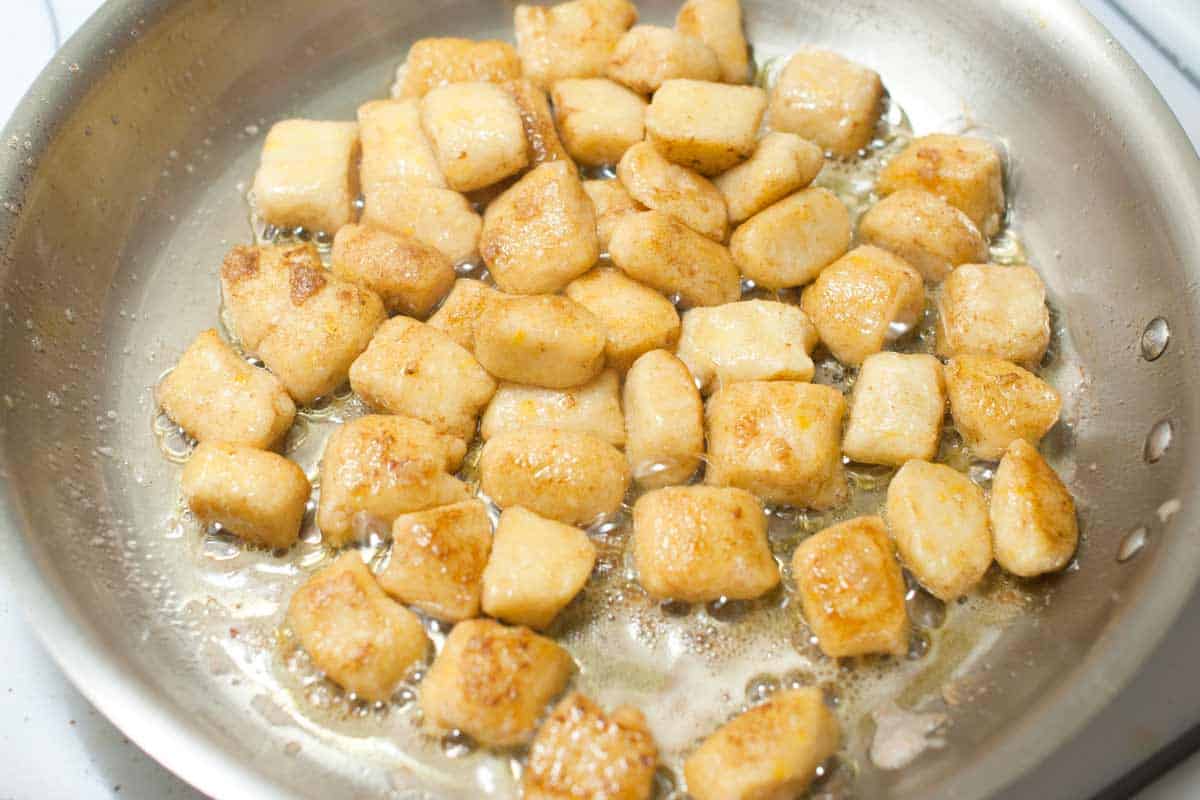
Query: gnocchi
(782,163)
(994,403)
(413,369)
(827,99)
(862,300)
(750,340)
(566,476)
(541,233)
(780,440)
(1034,528)
(851,589)
(437,559)
(990,310)
(896,409)
(593,408)
(257,495)
(706,126)
(537,565)
(376,468)
(664,421)
(492,682)
(789,243)
(770,751)
(357,635)
(677,191)
(636,319)
(540,340)
(409,276)
(663,253)
(599,119)
(213,393)
(938,519)
(701,543)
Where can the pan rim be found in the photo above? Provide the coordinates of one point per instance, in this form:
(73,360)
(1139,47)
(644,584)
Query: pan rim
(163,730)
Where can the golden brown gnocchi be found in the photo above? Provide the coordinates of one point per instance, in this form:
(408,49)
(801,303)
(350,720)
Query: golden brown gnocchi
(437,559)
(790,242)
(594,408)
(376,468)
(599,119)
(570,40)
(706,126)
(409,276)
(357,635)
(991,310)
(664,421)
(781,163)
(257,495)
(701,543)
(864,299)
(750,340)
(493,682)
(780,440)
(851,589)
(828,99)
(663,253)
(677,191)
(567,476)
(649,55)
(306,178)
(439,61)
(540,340)
(994,402)
(770,751)
(582,752)
(536,567)
(541,233)
(896,409)
(1034,528)
(939,520)
(636,319)
(213,393)
(414,369)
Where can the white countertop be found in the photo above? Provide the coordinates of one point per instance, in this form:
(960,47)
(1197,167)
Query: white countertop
(68,749)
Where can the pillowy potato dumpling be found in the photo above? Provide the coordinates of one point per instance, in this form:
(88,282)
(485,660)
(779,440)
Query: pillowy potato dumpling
(852,590)
(414,369)
(439,218)
(437,559)
(599,119)
(706,126)
(789,243)
(995,402)
(357,635)
(636,319)
(780,440)
(701,543)
(570,40)
(540,340)
(992,310)
(594,408)
(663,253)
(306,178)
(718,23)
(896,409)
(395,149)
(409,276)
(582,752)
(939,520)
(861,301)
(781,163)
(1034,527)
(827,99)
(493,682)
(924,230)
(541,233)
(536,567)
(649,55)
(376,468)
(964,171)
(685,195)
(749,340)
(664,421)
(770,751)
(253,494)
(214,394)
(477,133)
(459,314)
(439,61)
(567,476)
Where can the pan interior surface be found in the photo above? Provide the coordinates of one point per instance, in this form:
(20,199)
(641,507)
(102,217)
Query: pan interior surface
(124,184)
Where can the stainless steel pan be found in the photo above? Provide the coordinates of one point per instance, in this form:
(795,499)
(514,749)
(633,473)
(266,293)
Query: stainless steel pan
(121,182)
